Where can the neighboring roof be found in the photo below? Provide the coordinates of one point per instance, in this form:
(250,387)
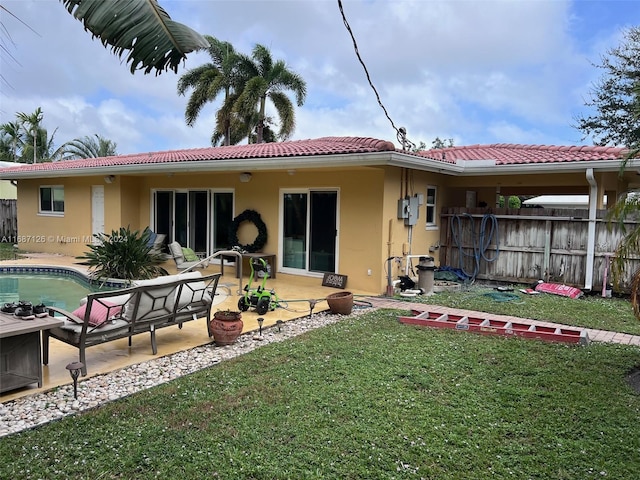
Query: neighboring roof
(514,154)
(550,201)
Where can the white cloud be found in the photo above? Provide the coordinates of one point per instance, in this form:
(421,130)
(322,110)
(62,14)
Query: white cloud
(478,72)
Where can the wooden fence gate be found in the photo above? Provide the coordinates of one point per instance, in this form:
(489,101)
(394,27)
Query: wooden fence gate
(526,245)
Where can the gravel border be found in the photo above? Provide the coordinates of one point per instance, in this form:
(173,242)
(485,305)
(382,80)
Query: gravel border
(33,410)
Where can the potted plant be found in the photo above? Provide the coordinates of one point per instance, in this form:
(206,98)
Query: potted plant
(225,327)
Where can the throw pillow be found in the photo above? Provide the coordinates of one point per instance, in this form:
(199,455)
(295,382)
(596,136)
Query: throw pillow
(189,255)
(152,239)
(101,312)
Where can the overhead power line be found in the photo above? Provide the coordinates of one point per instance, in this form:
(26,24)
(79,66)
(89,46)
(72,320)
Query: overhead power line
(401,133)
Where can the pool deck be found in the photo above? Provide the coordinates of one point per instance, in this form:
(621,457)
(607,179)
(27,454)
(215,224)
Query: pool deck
(295,293)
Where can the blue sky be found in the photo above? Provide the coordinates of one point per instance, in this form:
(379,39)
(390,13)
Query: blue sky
(479,72)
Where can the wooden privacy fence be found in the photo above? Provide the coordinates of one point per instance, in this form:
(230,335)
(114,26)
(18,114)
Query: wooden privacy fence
(526,245)
(8,220)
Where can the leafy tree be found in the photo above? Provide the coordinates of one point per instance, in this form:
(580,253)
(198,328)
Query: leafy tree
(513,202)
(442,143)
(436,143)
(616,121)
(268,79)
(207,82)
(89,147)
(629,246)
(141,28)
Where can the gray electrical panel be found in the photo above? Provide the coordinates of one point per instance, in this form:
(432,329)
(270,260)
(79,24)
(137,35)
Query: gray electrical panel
(408,209)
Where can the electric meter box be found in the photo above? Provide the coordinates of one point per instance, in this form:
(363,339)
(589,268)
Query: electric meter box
(408,209)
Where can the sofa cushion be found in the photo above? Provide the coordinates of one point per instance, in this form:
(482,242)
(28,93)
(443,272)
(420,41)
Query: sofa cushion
(70,332)
(101,312)
(155,302)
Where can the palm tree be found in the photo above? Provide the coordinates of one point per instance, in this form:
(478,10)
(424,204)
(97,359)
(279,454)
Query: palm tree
(89,147)
(41,147)
(210,80)
(31,124)
(11,139)
(143,28)
(266,79)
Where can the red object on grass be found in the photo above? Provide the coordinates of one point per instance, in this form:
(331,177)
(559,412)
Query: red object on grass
(559,289)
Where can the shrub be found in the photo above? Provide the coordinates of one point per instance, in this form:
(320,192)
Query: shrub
(124,255)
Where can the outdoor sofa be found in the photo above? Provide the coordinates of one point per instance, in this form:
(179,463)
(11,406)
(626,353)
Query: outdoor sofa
(144,307)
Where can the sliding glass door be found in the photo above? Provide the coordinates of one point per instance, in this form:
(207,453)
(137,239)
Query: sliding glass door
(309,230)
(198,219)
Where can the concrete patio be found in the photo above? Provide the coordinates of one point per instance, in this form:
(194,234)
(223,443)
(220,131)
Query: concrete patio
(296,293)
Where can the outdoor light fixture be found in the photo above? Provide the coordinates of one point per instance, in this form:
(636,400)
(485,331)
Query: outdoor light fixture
(109,178)
(260,320)
(279,325)
(245,177)
(74,370)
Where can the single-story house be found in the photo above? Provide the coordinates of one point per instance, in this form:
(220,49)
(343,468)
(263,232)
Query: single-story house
(336,204)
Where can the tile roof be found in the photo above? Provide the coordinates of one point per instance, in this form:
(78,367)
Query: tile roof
(514,154)
(484,155)
(311,147)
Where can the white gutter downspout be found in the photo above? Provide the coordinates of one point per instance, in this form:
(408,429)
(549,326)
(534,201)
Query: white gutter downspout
(591,233)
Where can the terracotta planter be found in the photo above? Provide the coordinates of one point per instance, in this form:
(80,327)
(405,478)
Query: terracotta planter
(340,303)
(226,327)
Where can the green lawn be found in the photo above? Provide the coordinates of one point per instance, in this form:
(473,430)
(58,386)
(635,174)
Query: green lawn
(588,311)
(367,398)
(7,251)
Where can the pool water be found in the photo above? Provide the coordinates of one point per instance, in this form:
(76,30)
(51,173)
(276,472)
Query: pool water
(61,291)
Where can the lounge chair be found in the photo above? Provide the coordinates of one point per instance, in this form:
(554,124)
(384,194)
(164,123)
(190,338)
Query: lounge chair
(156,242)
(178,254)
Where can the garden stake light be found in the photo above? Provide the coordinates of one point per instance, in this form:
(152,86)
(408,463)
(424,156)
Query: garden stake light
(74,370)
(312,304)
(260,320)
(279,325)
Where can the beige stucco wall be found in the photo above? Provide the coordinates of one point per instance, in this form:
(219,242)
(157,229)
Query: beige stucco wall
(367,213)
(369,230)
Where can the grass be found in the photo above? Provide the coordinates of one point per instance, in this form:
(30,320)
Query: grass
(8,251)
(588,311)
(365,398)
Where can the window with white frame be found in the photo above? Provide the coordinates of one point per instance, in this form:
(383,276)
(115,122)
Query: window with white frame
(431,207)
(52,200)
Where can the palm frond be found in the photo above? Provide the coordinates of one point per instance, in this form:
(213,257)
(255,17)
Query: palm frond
(140,27)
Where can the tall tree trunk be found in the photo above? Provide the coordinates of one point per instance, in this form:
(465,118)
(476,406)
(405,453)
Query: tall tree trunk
(259,133)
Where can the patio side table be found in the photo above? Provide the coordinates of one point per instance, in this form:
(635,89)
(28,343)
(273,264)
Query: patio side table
(21,350)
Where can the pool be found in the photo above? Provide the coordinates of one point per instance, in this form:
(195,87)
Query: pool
(62,289)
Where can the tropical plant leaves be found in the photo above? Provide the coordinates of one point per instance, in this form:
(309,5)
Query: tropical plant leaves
(140,27)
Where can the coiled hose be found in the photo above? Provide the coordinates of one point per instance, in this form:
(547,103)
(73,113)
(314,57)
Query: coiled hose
(480,240)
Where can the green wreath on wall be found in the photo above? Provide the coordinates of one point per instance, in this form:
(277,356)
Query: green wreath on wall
(253,217)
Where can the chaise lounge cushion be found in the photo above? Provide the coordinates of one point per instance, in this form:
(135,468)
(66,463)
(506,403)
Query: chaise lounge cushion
(101,312)
(189,255)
